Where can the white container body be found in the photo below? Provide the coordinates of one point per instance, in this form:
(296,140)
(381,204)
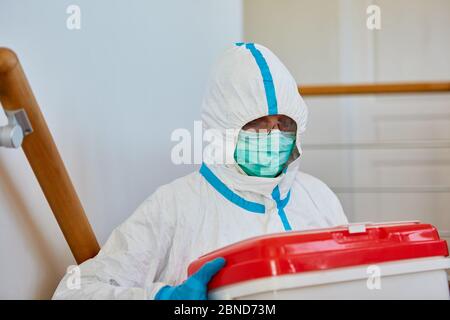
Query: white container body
(414,279)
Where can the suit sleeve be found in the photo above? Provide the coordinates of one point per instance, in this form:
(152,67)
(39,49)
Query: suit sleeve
(129,264)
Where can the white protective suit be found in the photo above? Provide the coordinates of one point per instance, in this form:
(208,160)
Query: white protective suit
(220,204)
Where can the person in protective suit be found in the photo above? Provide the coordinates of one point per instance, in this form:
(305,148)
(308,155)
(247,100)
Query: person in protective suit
(254,191)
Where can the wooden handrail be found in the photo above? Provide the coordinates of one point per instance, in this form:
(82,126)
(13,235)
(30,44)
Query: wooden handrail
(43,156)
(376,88)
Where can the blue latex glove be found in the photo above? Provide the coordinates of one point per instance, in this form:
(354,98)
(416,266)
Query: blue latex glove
(195,287)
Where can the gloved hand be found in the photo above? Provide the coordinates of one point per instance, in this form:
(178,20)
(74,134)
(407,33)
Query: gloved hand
(195,287)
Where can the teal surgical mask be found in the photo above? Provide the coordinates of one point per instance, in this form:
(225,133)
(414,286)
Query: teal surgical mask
(264,154)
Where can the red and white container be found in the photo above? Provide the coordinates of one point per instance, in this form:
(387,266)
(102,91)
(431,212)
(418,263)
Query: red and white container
(402,260)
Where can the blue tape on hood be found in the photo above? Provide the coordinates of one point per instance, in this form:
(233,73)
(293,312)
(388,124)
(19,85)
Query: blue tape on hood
(251,206)
(281,203)
(269,87)
(228,193)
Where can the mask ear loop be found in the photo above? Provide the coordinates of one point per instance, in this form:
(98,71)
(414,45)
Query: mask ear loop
(298,145)
(297,149)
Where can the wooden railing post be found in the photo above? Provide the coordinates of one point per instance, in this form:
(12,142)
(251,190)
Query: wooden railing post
(43,156)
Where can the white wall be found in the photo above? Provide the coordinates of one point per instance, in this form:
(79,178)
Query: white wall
(112,93)
(327,41)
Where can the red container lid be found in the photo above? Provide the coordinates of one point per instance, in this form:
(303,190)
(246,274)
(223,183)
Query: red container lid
(323,249)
